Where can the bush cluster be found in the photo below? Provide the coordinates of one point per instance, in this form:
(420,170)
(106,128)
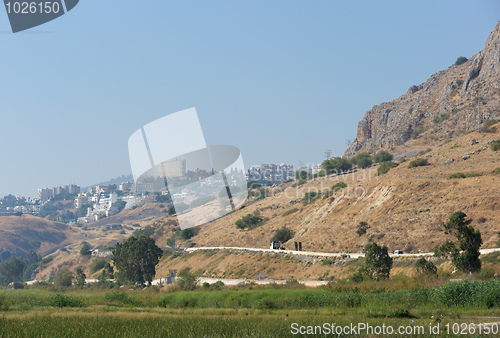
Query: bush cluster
(418,163)
(249,221)
(385,167)
(495,145)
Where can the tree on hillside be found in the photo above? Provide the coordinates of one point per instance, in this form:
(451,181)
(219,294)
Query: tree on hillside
(283,234)
(336,165)
(136,260)
(363,160)
(460,60)
(465,257)
(378,264)
(85,250)
(11,270)
(382,156)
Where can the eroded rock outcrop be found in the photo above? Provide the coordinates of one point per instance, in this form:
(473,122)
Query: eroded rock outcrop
(450,103)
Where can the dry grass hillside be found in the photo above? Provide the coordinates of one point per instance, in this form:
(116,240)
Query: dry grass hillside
(404,209)
(21,234)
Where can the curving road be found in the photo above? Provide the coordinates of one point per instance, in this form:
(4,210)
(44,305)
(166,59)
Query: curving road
(322,254)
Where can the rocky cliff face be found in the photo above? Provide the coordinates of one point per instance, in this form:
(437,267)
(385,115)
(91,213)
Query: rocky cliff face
(450,103)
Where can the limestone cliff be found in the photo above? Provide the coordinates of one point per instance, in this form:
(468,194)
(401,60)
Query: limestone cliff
(450,103)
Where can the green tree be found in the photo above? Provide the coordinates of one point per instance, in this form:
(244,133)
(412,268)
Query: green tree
(80,277)
(11,269)
(187,280)
(283,234)
(465,256)
(64,278)
(460,60)
(188,233)
(85,250)
(31,263)
(136,259)
(382,156)
(301,175)
(336,165)
(363,160)
(362,227)
(378,264)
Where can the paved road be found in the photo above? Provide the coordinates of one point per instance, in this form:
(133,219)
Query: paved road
(323,254)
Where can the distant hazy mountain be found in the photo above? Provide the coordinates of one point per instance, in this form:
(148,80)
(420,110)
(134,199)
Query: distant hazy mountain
(117,180)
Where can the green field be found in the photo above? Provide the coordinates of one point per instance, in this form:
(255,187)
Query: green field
(241,312)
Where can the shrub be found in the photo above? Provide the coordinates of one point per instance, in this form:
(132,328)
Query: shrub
(97,264)
(496,171)
(249,221)
(339,185)
(362,227)
(469,293)
(495,145)
(261,194)
(460,60)
(61,300)
(283,234)
(488,124)
(457,175)
(399,314)
(310,197)
(418,163)
(357,277)
(462,175)
(291,211)
(63,278)
(328,262)
(147,231)
(418,131)
(187,280)
(424,266)
(385,167)
(382,156)
(188,233)
(440,118)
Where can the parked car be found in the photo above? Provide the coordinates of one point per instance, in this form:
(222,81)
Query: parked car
(398,252)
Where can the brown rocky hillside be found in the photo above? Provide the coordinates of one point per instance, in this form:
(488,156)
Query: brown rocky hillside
(21,234)
(450,103)
(404,209)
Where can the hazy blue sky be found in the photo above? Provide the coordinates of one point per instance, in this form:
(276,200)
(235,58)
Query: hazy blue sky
(282,80)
